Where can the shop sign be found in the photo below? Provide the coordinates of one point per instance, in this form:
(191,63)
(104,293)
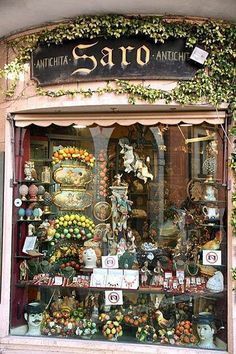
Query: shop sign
(99,59)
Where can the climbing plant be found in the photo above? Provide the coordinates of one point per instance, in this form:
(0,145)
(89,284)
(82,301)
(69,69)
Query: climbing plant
(213,83)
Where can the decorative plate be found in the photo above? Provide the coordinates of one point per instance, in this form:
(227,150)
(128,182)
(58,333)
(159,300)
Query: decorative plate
(73,176)
(72,199)
(102,211)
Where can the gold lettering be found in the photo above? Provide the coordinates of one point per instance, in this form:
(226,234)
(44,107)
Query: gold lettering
(84,57)
(107,53)
(158,57)
(176,56)
(124,50)
(182,56)
(139,55)
(52,61)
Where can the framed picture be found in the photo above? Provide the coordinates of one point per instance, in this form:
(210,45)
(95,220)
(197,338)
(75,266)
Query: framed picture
(102,211)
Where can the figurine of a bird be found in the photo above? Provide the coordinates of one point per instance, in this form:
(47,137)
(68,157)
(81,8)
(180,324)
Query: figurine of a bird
(163,322)
(215,243)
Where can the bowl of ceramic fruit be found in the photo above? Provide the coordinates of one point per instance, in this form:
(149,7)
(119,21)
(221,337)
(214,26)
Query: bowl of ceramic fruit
(184,332)
(86,328)
(135,319)
(146,333)
(73,227)
(72,154)
(112,330)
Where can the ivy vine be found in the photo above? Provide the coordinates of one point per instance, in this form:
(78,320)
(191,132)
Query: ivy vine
(213,83)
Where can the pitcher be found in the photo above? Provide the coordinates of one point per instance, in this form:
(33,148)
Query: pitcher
(212,213)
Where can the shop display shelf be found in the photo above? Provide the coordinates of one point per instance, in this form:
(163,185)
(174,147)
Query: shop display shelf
(24,284)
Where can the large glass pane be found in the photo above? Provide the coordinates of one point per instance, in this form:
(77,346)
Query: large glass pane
(120,234)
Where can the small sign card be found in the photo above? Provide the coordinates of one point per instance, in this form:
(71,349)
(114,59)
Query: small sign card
(98,278)
(114,278)
(110,262)
(113,297)
(58,280)
(130,279)
(210,257)
(29,244)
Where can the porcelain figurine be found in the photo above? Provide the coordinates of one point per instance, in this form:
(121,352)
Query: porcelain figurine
(34,315)
(121,208)
(89,258)
(24,269)
(30,172)
(210,194)
(145,272)
(133,163)
(205,330)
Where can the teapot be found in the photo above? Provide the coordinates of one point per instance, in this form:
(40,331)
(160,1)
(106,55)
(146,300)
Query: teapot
(212,213)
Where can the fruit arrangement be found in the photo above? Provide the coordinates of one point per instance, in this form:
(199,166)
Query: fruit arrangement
(58,326)
(65,253)
(112,330)
(146,334)
(68,263)
(74,154)
(73,226)
(104,317)
(168,336)
(135,320)
(85,328)
(63,318)
(184,332)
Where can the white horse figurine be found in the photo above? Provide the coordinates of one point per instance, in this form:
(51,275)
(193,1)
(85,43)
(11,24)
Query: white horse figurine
(132,162)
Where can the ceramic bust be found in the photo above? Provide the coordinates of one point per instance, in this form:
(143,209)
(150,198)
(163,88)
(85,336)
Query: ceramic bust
(89,258)
(34,316)
(205,329)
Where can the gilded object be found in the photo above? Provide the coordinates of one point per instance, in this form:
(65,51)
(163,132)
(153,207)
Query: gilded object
(102,211)
(72,199)
(73,176)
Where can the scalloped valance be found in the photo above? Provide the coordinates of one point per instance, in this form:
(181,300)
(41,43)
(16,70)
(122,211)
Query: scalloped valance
(104,119)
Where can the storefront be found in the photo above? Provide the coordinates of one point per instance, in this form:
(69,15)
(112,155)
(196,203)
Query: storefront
(119,213)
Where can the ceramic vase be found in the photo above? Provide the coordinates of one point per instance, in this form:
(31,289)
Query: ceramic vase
(33,191)
(29,213)
(36,214)
(23,190)
(41,191)
(21,213)
(47,202)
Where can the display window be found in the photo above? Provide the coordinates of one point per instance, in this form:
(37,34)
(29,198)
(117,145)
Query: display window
(120,234)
